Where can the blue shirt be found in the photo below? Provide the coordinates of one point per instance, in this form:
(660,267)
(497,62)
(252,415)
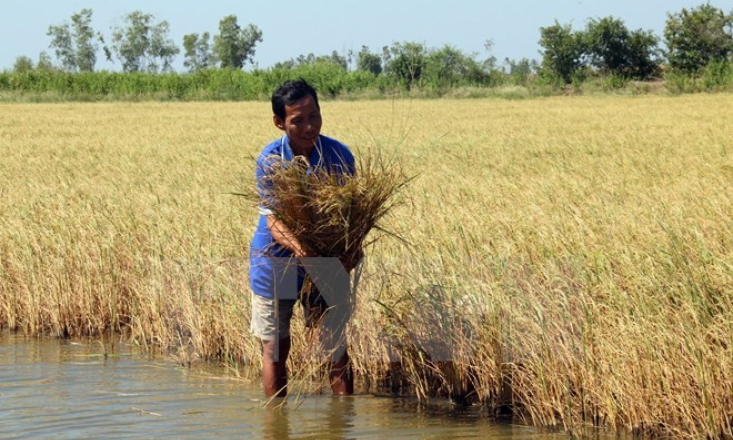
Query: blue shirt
(272,267)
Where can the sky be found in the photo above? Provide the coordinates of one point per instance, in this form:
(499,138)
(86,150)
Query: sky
(291,28)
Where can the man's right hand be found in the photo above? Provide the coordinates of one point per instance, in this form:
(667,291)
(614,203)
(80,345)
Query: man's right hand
(285,237)
(351,263)
(302,251)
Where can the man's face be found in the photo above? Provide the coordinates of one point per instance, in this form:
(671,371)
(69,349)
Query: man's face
(302,124)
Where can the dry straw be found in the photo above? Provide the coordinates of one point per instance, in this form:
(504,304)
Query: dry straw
(333,213)
(580,249)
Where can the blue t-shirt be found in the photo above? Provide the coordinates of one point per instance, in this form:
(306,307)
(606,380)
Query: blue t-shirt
(272,267)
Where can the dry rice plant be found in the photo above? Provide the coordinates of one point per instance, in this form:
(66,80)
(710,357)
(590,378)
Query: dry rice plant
(333,213)
(577,252)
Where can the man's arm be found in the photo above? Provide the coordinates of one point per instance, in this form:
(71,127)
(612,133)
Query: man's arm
(285,237)
(279,230)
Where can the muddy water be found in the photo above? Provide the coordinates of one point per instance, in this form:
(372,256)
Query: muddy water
(58,389)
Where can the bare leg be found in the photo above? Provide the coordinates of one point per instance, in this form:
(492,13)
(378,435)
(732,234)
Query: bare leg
(274,370)
(341,377)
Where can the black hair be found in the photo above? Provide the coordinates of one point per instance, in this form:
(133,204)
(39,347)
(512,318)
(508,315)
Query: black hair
(289,93)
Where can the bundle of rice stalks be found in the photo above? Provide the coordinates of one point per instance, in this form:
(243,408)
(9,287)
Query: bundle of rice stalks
(329,212)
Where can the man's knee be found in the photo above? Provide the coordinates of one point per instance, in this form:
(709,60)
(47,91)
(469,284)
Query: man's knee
(276,351)
(270,319)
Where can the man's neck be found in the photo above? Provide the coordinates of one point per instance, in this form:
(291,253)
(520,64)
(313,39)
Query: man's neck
(302,151)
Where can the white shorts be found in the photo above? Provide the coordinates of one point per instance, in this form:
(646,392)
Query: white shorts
(271,321)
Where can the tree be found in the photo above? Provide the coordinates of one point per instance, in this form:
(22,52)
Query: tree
(83,35)
(44,62)
(386,56)
(162,48)
(698,37)
(606,43)
(350,59)
(198,52)
(406,62)
(22,64)
(520,70)
(142,46)
(563,51)
(285,65)
(368,62)
(612,48)
(644,54)
(449,66)
(61,42)
(74,44)
(340,61)
(235,46)
(490,61)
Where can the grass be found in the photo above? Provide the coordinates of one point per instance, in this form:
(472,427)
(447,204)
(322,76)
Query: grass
(575,250)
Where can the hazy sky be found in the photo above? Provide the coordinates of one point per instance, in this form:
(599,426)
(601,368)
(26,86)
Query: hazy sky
(291,28)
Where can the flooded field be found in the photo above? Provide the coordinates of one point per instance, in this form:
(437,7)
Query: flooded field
(51,388)
(578,249)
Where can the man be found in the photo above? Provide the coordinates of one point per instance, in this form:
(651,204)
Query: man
(274,277)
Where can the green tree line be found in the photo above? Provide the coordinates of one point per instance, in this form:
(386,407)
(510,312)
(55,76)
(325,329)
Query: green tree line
(697,54)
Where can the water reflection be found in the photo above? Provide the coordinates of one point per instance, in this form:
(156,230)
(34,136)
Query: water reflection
(340,419)
(334,420)
(275,424)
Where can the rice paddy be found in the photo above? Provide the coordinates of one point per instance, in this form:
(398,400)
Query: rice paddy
(570,256)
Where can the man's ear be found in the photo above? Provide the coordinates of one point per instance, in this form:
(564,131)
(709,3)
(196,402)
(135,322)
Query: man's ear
(279,123)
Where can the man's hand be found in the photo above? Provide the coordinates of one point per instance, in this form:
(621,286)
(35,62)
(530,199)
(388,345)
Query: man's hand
(285,237)
(302,251)
(351,263)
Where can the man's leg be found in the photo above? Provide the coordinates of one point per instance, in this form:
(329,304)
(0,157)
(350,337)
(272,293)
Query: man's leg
(333,344)
(341,376)
(271,324)
(333,282)
(274,369)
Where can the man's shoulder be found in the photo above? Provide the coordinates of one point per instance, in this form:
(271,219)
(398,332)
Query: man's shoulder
(336,146)
(333,143)
(273,148)
(338,154)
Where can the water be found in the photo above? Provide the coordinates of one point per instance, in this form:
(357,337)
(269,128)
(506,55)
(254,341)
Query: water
(57,389)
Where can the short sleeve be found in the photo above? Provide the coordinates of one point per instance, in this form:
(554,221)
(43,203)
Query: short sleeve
(342,160)
(263,171)
(349,161)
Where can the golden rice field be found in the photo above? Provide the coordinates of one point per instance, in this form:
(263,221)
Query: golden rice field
(571,256)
